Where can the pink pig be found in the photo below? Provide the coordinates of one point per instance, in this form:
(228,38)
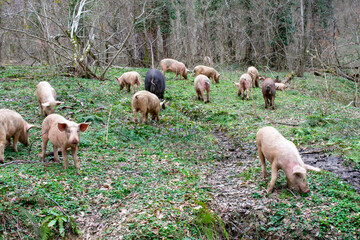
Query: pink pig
(202,84)
(282,154)
(46,96)
(62,134)
(12,125)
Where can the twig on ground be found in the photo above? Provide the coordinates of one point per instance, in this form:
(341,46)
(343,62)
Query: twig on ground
(293,194)
(287,124)
(316,151)
(61,209)
(350,103)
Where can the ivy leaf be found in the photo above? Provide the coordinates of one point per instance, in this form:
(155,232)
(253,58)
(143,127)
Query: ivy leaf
(52,223)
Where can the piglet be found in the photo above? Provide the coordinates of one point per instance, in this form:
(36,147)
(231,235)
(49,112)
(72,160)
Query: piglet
(244,85)
(62,134)
(129,79)
(282,154)
(202,84)
(46,96)
(207,71)
(146,102)
(12,125)
(280,86)
(174,66)
(253,72)
(268,90)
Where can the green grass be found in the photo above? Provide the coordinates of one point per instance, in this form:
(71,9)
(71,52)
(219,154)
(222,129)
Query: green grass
(146,181)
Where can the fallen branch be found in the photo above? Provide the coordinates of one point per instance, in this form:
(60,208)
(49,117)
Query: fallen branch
(316,151)
(295,196)
(287,124)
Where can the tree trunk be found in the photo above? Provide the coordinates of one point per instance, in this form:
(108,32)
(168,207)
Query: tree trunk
(303,43)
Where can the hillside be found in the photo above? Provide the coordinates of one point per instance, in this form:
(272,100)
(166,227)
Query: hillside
(193,175)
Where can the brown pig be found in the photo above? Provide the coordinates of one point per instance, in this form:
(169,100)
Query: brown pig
(46,96)
(62,134)
(280,86)
(268,90)
(146,102)
(244,85)
(282,154)
(202,84)
(207,71)
(129,79)
(12,125)
(174,66)
(253,72)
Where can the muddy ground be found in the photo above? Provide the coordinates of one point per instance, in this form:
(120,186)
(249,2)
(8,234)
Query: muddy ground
(237,201)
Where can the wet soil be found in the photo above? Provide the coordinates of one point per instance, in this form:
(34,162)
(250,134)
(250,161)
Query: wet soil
(241,203)
(335,165)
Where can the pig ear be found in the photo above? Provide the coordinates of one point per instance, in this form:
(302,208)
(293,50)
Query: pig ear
(62,126)
(299,170)
(83,126)
(58,103)
(311,168)
(45,104)
(28,126)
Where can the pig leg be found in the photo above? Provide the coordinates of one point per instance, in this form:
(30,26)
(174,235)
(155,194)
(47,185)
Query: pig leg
(266,102)
(274,175)
(41,110)
(263,164)
(43,147)
(203,96)
(135,116)
(138,86)
(128,87)
(257,81)
(272,102)
(146,117)
(15,140)
(247,94)
(133,87)
(208,95)
(143,117)
(198,94)
(56,154)
(75,157)
(65,157)
(2,148)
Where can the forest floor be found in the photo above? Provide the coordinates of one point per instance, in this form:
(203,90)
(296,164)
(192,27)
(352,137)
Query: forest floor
(193,175)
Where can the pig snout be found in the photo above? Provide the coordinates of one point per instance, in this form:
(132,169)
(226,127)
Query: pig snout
(75,141)
(304,189)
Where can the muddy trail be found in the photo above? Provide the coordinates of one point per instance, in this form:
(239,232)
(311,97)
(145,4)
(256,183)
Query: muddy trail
(335,165)
(239,199)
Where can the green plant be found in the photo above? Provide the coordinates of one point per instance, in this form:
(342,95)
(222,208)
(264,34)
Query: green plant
(55,223)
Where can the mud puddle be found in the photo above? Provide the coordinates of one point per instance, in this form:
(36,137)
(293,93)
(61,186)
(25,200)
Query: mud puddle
(335,165)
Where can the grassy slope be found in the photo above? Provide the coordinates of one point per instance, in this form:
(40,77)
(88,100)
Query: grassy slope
(148,180)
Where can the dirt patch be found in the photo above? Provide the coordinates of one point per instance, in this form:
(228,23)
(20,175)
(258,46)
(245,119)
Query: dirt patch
(243,205)
(335,165)
(237,203)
